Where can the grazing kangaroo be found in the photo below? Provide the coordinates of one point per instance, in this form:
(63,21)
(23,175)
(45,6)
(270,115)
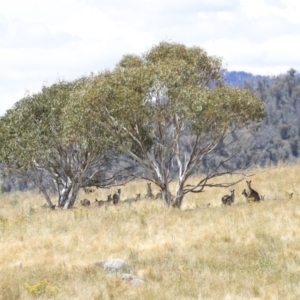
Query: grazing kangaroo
(158,196)
(85,202)
(228,200)
(289,195)
(252,193)
(149,191)
(116,197)
(46,206)
(99,202)
(134,199)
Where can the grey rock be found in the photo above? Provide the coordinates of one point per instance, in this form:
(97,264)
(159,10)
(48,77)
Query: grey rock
(116,265)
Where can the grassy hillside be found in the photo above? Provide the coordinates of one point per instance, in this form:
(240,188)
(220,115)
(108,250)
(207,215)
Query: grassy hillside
(246,251)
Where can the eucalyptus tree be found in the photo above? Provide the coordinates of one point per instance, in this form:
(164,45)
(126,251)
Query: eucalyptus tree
(169,109)
(48,137)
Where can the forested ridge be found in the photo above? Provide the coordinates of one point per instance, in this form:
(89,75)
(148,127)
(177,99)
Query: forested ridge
(278,136)
(275,139)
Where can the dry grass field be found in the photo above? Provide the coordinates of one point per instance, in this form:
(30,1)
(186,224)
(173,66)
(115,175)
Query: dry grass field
(246,251)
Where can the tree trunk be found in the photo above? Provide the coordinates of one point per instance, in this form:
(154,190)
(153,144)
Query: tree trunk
(39,184)
(64,195)
(51,205)
(70,202)
(165,198)
(44,192)
(166,195)
(178,200)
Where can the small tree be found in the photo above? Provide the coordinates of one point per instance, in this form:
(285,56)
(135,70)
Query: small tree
(169,110)
(48,138)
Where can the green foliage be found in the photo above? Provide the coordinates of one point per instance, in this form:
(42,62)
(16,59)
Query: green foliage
(53,136)
(32,127)
(171,79)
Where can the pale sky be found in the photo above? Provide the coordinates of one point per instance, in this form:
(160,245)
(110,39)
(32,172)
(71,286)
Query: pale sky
(46,40)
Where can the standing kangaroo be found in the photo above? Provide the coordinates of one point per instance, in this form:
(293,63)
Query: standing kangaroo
(149,191)
(245,194)
(228,200)
(116,197)
(252,193)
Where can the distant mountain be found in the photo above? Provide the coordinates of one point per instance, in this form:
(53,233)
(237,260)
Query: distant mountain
(235,78)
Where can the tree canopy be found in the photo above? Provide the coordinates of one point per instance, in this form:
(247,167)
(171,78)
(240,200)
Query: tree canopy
(49,139)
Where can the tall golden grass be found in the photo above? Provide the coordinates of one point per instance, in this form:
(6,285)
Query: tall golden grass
(246,251)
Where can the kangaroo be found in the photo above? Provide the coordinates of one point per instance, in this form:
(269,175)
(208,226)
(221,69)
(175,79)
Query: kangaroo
(158,196)
(109,198)
(134,199)
(116,197)
(252,193)
(228,200)
(46,206)
(149,191)
(99,202)
(245,194)
(85,202)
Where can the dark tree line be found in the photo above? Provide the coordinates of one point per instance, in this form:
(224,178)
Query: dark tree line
(278,136)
